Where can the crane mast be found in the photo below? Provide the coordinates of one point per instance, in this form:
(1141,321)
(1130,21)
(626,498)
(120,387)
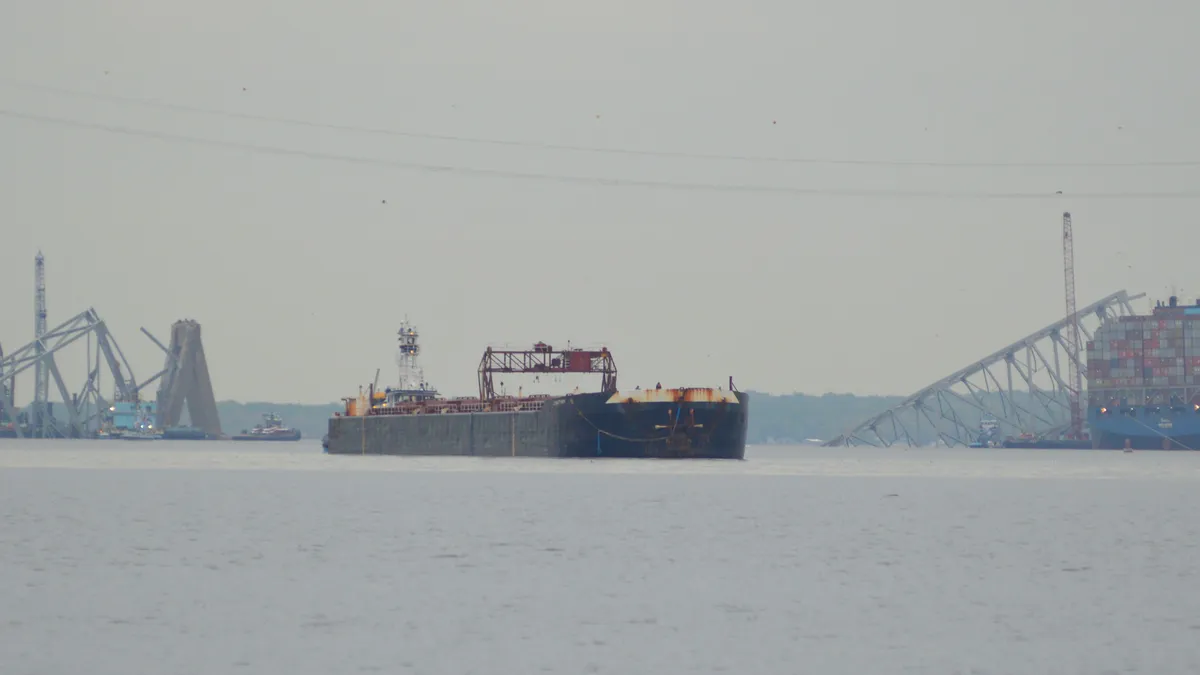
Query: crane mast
(41,371)
(1074,347)
(6,394)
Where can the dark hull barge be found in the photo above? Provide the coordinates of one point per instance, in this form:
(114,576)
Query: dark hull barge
(662,423)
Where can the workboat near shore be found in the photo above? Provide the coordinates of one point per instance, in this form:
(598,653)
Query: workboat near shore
(271,429)
(656,422)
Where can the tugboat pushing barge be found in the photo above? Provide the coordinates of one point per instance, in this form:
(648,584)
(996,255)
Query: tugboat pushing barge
(413,419)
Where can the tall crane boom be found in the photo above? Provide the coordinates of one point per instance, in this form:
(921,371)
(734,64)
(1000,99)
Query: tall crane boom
(41,372)
(6,393)
(1074,347)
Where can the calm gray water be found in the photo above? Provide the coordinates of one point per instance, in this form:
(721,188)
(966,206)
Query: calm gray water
(122,558)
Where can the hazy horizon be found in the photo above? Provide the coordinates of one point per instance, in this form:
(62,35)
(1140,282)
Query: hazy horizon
(300,273)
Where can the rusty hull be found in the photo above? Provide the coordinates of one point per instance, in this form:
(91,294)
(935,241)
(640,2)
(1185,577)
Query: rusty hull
(675,395)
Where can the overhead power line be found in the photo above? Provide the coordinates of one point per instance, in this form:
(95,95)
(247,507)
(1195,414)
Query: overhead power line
(589,180)
(595,149)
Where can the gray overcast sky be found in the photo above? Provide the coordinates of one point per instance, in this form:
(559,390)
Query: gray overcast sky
(300,275)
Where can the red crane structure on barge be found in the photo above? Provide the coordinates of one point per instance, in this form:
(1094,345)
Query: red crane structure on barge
(543,359)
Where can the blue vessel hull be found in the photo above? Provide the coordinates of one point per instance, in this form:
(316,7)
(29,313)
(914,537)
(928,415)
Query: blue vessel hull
(1146,428)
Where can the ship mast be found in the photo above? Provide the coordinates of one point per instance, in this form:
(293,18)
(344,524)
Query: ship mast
(412,376)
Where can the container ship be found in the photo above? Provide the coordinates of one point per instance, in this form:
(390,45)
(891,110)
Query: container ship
(1144,380)
(658,422)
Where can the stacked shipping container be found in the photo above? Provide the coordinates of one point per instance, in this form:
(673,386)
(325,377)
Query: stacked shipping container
(1191,350)
(1153,354)
(1114,356)
(1164,355)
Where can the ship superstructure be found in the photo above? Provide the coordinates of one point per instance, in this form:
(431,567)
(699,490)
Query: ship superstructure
(412,386)
(128,416)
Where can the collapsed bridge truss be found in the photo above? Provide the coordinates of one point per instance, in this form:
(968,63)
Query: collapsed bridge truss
(83,409)
(1022,388)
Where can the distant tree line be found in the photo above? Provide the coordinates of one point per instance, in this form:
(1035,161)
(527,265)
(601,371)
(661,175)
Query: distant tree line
(774,419)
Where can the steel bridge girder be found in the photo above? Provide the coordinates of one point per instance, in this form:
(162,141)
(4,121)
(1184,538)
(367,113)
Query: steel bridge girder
(948,420)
